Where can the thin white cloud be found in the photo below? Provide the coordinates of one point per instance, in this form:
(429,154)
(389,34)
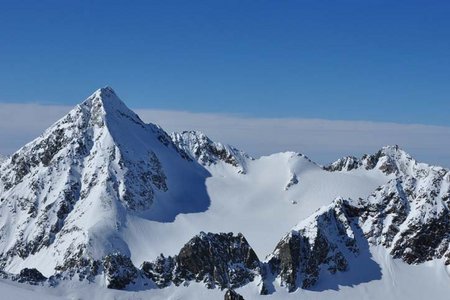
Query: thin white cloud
(322,140)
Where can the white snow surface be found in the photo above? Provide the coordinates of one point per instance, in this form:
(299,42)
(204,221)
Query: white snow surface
(255,204)
(264,203)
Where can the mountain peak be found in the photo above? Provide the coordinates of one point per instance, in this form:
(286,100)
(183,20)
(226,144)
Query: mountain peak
(106,91)
(104,104)
(105,95)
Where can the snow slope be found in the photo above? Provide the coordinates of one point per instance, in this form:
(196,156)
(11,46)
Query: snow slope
(256,204)
(100,187)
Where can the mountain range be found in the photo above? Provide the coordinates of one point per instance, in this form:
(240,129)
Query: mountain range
(104,204)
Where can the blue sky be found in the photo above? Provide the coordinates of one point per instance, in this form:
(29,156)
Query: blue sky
(340,60)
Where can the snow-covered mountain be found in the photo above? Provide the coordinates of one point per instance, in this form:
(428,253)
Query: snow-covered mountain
(66,195)
(102,197)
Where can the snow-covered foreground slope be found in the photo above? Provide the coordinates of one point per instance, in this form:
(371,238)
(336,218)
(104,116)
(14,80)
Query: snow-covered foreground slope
(399,281)
(102,201)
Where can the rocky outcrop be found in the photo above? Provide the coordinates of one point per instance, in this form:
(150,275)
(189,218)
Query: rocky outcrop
(219,260)
(347,163)
(207,152)
(292,181)
(389,160)
(232,295)
(30,276)
(160,271)
(321,242)
(119,271)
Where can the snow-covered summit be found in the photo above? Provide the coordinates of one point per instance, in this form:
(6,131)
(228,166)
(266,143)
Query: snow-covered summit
(67,194)
(389,160)
(105,103)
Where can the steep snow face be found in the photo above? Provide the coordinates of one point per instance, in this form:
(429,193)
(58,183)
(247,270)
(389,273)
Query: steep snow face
(67,194)
(207,152)
(2,158)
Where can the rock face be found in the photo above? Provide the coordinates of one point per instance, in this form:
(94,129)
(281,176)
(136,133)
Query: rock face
(219,260)
(207,152)
(232,295)
(347,163)
(3,158)
(31,276)
(119,271)
(323,241)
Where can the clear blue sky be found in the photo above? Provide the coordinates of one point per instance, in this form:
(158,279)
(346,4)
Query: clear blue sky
(365,60)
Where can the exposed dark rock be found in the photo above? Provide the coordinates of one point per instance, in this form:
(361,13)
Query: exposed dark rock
(232,295)
(119,271)
(292,181)
(77,264)
(315,244)
(219,260)
(31,276)
(207,152)
(160,271)
(347,163)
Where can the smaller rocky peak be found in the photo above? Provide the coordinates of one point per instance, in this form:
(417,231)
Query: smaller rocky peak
(323,242)
(219,260)
(346,163)
(389,160)
(207,152)
(31,276)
